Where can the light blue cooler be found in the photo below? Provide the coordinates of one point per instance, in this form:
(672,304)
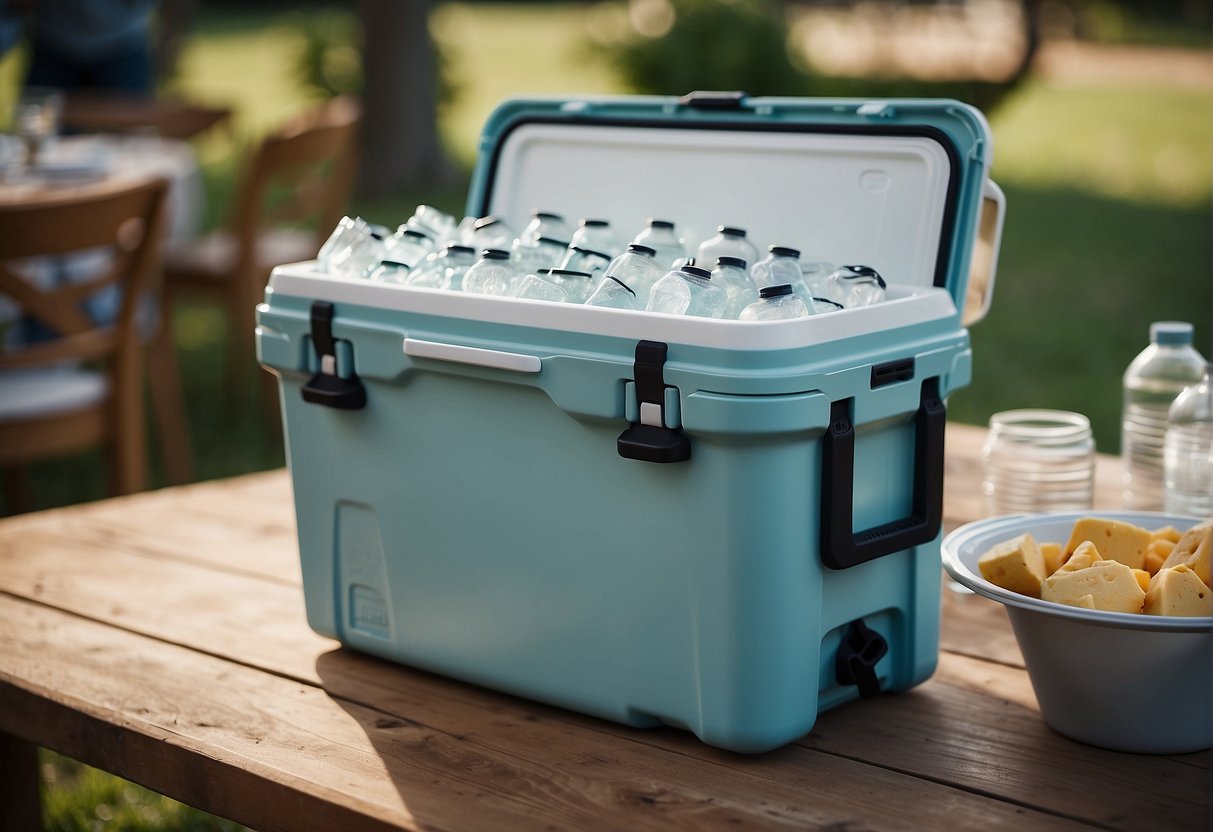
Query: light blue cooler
(722,526)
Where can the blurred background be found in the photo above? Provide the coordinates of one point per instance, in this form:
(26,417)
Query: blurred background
(1102,113)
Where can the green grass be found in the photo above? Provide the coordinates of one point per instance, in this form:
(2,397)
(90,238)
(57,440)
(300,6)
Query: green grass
(1108,229)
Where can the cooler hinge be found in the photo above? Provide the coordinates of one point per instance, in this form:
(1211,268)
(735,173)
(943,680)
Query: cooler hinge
(649,440)
(327,387)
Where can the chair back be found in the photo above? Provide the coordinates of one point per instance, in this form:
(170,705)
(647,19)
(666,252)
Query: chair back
(300,176)
(118,228)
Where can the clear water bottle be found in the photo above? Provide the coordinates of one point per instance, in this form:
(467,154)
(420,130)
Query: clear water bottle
(776,303)
(576,285)
(543,253)
(445,268)
(579,259)
(349,233)
(688,291)
(492,274)
(439,226)
(596,235)
(538,287)
(390,271)
(545,224)
(613,293)
(1152,381)
(666,245)
(731,273)
(408,245)
(491,233)
(1188,451)
(639,270)
(729,241)
(854,286)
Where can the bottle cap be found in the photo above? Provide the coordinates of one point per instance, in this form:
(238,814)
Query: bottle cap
(485,222)
(660,224)
(730,261)
(568,273)
(413,232)
(546,215)
(595,223)
(456,248)
(1172,333)
(731,231)
(494,254)
(775,291)
(784,251)
(639,249)
(698,272)
(394,264)
(581,250)
(553,241)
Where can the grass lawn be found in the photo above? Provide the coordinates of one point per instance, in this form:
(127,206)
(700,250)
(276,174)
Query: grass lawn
(1108,229)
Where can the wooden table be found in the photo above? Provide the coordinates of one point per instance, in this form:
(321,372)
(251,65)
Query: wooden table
(162,637)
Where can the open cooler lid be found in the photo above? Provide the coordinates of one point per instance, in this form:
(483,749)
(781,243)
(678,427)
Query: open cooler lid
(896,185)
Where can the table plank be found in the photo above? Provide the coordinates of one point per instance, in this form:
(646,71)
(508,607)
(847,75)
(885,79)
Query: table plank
(276,754)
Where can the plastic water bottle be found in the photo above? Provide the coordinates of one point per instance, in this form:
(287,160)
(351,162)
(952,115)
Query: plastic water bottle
(491,233)
(444,269)
(596,235)
(390,271)
(543,253)
(580,259)
(614,294)
(776,303)
(729,241)
(688,291)
(854,286)
(408,245)
(545,224)
(1152,381)
(1188,451)
(639,270)
(492,274)
(439,226)
(536,287)
(730,272)
(576,285)
(667,247)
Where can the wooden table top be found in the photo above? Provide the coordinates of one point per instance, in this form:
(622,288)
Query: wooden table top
(162,637)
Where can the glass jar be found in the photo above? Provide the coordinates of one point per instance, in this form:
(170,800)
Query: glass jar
(1038,460)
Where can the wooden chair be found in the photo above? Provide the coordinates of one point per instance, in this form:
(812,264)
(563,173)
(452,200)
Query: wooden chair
(80,384)
(95,112)
(289,198)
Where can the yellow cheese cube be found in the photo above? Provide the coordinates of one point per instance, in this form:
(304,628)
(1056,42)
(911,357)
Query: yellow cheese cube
(1167,533)
(1154,561)
(1177,590)
(1143,579)
(1115,539)
(1085,555)
(1110,584)
(1015,564)
(1052,555)
(1192,551)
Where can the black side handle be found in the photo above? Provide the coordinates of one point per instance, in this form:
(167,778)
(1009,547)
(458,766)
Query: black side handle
(326,387)
(840,547)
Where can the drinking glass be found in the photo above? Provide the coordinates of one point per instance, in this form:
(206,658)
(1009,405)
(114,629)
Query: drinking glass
(36,119)
(1038,460)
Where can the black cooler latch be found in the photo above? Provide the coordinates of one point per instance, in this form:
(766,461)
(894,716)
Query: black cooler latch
(858,653)
(326,387)
(649,440)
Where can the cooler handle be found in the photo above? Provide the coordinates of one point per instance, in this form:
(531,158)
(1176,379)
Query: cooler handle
(842,548)
(475,356)
(984,264)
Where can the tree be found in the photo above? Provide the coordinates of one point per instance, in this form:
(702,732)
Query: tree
(400,146)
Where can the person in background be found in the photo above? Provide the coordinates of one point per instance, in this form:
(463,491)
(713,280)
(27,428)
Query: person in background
(84,44)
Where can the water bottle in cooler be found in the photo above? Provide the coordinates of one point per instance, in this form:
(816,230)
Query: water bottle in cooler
(492,274)
(545,224)
(1188,451)
(776,303)
(638,268)
(614,294)
(688,291)
(667,247)
(729,241)
(730,272)
(596,235)
(1152,381)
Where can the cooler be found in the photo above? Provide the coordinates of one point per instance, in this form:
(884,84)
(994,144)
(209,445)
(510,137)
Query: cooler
(722,526)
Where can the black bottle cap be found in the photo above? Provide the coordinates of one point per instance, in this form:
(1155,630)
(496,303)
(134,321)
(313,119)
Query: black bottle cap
(595,223)
(639,249)
(569,273)
(660,224)
(413,232)
(698,272)
(865,271)
(456,248)
(485,222)
(547,215)
(775,291)
(731,231)
(554,241)
(784,251)
(395,264)
(494,254)
(581,250)
(730,261)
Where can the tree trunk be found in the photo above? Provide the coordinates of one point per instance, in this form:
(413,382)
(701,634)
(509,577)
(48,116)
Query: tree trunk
(400,146)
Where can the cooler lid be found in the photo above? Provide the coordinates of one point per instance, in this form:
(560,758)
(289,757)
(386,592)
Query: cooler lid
(895,184)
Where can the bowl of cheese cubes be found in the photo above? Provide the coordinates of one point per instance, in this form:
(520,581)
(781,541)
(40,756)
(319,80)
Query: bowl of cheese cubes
(1113,612)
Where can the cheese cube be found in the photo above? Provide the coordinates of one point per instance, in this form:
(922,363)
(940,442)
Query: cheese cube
(1143,579)
(1167,533)
(1087,602)
(1192,551)
(1085,555)
(1115,539)
(1110,584)
(1177,590)
(1015,564)
(1052,555)
(1153,562)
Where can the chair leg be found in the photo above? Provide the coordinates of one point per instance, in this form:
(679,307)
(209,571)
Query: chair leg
(16,489)
(128,453)
(168,402)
